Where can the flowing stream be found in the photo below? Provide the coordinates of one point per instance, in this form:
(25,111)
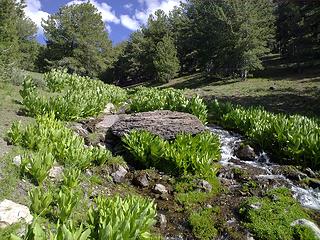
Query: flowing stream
(309,198)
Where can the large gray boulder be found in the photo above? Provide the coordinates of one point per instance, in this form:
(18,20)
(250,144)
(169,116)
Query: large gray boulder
(166,124)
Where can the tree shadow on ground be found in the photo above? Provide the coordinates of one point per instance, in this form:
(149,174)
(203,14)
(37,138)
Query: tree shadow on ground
(291,74)
(287,103)
(199,80)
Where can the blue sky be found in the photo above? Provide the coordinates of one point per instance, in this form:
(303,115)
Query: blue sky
(121,17)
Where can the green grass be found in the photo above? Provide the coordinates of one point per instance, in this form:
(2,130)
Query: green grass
(10,106)
(202,223)
(293,93)
(187,192)
(270,217)
(11,186)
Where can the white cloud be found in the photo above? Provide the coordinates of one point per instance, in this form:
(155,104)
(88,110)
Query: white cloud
(128,6)
(33,11)
(129,22)
(106,11)
(149,7)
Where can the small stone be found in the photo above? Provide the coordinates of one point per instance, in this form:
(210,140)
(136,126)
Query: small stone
(178,237)
(160,189)
(119,175)
(205,186)
(162,221)
(250,236)
(141,180)
(246,152)
(17,160)
(11,213)
(89,172)
(164,196)
(109,109)
(56,172)
(255,206)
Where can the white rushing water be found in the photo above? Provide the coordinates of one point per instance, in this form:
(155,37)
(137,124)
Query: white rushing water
(309,198)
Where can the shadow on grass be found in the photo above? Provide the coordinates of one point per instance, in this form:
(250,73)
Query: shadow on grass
(287,103)
(291,74)
(198,81)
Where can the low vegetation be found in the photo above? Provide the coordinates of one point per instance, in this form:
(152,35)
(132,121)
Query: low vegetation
(56,207)
(185,155)
(291,139)
(81,96)
(149,99)
(57,142)
(271,217)
(202,223)
(214,47)
(114,218)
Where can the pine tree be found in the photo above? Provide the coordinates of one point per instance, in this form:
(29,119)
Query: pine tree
(165,60)
(77,39)
(28,45)
(137,61)
(9,49)
(230,36)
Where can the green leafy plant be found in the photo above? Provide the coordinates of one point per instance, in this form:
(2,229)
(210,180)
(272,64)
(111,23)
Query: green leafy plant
(57,80)
(71,178)
(69,232)
(146,148)
(80,96)
(66,201)
(51,135)
(14,133)
(149,99)
(186,154)
(37,165)
(62,232)
(100,155)
(41,199)
(117,218)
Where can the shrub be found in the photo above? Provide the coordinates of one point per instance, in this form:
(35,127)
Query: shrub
(292,139)
(117,218)
(186,154)
(149,99)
